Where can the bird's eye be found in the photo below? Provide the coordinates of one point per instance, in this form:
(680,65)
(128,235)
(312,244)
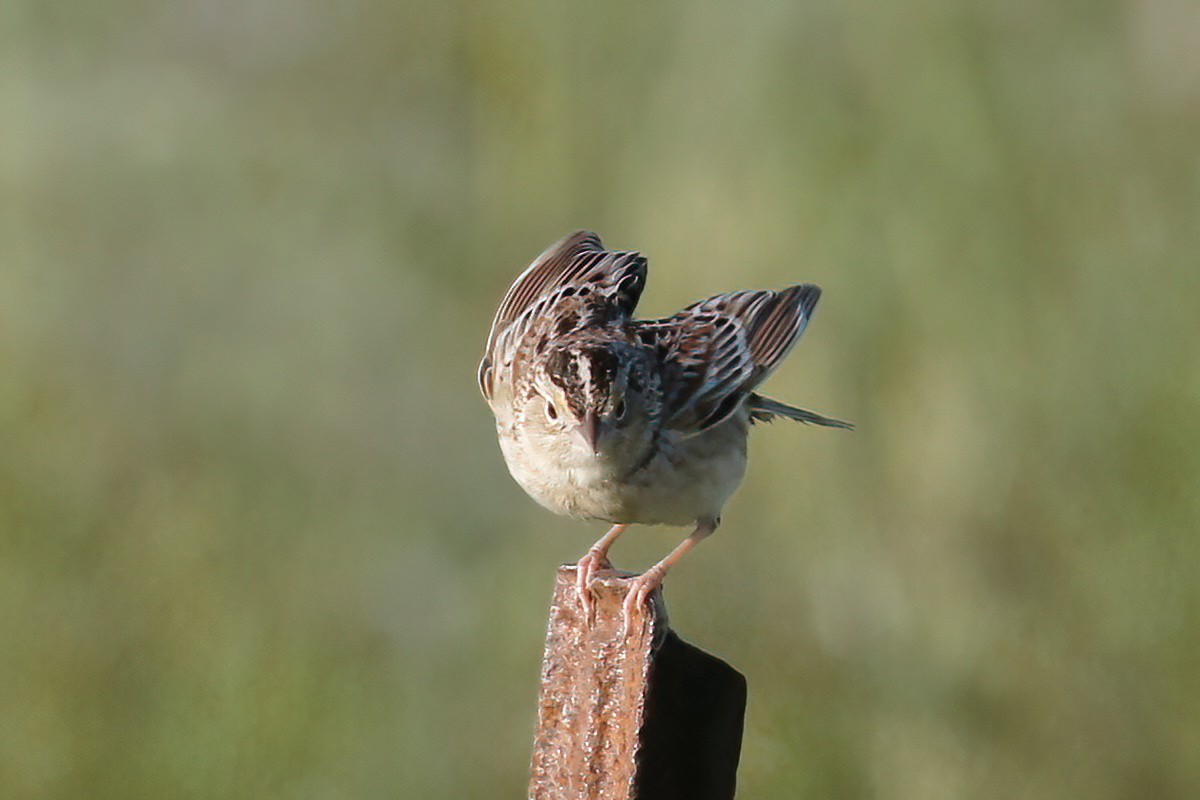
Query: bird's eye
(551,411)
(620,410)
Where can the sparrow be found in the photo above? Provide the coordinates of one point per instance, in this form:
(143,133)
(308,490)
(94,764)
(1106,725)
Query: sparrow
(606,417)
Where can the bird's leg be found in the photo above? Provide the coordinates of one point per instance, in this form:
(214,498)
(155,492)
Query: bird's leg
(596,558)
(641,586)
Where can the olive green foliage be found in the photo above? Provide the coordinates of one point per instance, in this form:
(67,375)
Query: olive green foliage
(256,537)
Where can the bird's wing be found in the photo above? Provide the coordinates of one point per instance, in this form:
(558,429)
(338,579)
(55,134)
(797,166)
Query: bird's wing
(577,266)
(716,351)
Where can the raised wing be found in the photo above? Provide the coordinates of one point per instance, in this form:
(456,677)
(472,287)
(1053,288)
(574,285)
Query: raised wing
(716,351)
(577,265)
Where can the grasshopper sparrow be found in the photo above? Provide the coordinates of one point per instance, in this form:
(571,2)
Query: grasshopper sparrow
(606,417)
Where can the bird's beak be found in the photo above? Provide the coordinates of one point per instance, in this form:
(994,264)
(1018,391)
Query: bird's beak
(589,429)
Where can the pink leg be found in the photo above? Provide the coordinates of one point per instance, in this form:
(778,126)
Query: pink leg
(596,558)
(641,586)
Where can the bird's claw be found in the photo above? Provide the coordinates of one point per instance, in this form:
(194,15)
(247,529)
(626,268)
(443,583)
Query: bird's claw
(585,570)
(640,589)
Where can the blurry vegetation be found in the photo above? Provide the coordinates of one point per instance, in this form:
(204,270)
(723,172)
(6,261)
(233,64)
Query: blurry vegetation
(256,538)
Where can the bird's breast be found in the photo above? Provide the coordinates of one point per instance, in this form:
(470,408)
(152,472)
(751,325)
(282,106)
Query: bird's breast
(683,479)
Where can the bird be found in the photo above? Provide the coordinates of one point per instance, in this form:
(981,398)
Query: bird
(606,417)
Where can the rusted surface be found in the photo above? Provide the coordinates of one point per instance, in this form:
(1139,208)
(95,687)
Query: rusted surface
(593,696)
(644,715)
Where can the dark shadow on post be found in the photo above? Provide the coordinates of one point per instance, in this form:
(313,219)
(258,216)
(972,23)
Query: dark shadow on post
(644,715)
(692,733)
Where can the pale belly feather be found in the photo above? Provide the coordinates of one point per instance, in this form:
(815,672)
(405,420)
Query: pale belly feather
(686,480)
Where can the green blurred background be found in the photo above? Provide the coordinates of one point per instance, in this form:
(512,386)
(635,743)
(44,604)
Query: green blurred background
(256,537)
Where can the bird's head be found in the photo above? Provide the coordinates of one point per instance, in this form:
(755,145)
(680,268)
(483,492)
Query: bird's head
(603,397)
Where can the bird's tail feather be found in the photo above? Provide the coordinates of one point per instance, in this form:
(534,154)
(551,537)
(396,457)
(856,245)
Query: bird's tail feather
(764,409)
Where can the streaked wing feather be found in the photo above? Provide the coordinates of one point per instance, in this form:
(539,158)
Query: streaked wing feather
(716,351)
(705,358)
(773,321)
(576,265)
(545,271)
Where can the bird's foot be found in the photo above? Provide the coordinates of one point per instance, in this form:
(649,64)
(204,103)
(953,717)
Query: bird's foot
(640,589)
(596,559)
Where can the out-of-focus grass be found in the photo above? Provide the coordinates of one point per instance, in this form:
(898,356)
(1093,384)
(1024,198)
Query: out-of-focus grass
(256,539)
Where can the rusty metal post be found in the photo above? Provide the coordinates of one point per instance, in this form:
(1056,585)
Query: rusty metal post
(643,716)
